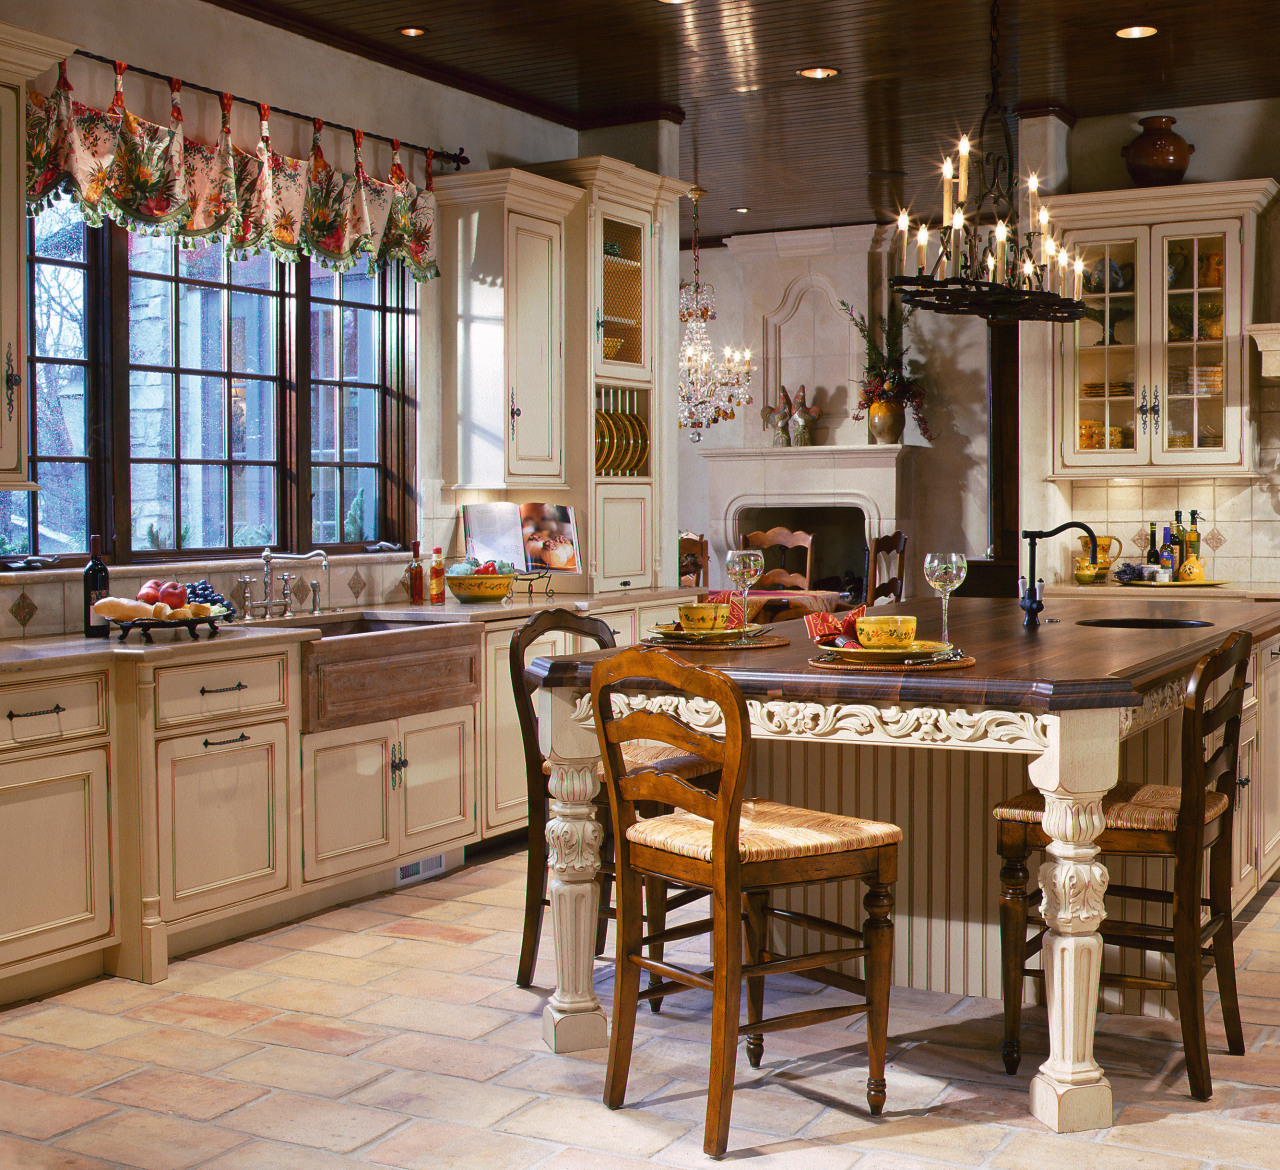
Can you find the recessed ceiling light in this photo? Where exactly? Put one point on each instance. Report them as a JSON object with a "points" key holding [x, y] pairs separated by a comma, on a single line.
{"points": [[741, 88], [1136, 32], [413, 32], [742, 210], [818, 72], [673, 1]]}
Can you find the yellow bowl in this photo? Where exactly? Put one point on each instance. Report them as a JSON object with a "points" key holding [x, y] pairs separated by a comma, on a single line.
{"points": [[704, 616], [891, 632], [479, 586]]}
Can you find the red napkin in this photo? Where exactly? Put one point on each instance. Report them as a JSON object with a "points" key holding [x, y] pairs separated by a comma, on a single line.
{"points": [[733, 600], [825, 628]]}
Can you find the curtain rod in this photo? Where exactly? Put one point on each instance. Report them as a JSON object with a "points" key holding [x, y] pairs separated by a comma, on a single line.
{"points": [[458, 157]]}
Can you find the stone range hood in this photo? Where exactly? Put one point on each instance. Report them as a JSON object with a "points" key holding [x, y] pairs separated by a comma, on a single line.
{"points": [[876, 479]]}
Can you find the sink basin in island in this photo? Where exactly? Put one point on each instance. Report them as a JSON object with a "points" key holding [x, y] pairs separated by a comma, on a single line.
{"points": [[1144, 623]]}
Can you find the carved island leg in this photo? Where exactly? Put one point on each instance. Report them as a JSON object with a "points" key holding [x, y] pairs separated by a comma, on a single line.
{"points": [[1070, 1092], [573, 1019]]}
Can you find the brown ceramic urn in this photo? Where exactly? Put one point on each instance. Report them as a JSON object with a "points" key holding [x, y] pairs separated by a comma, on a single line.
{"points": [[1159, 156]]}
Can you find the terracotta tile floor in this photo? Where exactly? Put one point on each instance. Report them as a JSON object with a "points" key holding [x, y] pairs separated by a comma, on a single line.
{"points": [[389, 1033]]}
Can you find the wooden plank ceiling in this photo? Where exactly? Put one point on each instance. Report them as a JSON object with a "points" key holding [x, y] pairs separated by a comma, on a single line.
{"points": [[799, 153]]}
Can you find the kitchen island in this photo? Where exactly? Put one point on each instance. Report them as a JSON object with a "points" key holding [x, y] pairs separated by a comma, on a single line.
{"points": [[1062, 701]]}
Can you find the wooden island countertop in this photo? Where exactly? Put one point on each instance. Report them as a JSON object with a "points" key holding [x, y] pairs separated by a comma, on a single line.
{"points": [[1058, 666]]}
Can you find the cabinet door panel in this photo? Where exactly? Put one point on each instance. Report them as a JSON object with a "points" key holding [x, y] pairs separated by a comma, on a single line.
{"points": [[437, 790], [55, 842], [624, 555], [506, 804], [1268, 765], [223, 817], [621, 257], [347, 820], [1244, 871], [534, 435]]}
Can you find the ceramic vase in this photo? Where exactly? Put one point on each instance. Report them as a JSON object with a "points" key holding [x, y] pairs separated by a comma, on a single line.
{"points": [[1159, 156], [887, 421]]}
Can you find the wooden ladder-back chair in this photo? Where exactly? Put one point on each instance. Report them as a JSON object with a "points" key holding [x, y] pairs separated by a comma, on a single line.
{"points": [[1160, 821], [893, 548], [537, 772], [739, 851], [694, 555], [786, 540]]}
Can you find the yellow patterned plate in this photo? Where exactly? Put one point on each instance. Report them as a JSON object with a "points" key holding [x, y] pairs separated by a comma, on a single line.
{"points": [[668, 632], [644, 441], [606, 463], [890, 654], [600, 442]]}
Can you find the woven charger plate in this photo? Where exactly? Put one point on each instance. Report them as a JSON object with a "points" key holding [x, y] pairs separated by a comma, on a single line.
{"points": [[763, 642], [891, 667]]}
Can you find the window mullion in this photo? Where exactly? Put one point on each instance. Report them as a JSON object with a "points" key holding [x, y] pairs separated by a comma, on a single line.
{"points": [[115, 307], [296, 395]]}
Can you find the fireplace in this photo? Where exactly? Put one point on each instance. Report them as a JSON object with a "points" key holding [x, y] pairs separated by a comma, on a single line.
{"points": [[852, 494], [839, 540]]}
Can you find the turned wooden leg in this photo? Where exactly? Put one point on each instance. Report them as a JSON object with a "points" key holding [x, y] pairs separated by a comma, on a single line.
{"points": [[626, 987], [756, 903], [655, 905], [726, 1002], [1013, 946], [1080, 762], [877, 933], [604, 879], [1224, 950], [573, 1018], [535, 893], [1189, 975]]}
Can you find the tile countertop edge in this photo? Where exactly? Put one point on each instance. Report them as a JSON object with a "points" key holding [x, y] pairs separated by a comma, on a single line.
{"points": [[1251, 591], [27, 654]]}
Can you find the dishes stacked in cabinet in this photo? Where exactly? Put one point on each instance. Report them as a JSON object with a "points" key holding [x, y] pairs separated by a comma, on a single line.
{"points": [[1154, 379]]}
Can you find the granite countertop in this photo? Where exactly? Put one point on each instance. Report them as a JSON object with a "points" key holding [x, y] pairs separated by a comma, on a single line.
{"points": [[1232, 590]]}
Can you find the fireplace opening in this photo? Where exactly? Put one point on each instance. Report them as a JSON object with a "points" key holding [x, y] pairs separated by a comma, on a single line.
{"points": [[839, 542]]}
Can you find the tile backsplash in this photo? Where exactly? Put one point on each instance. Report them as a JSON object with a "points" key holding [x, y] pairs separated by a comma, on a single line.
{"points": [[44, 602], [1239, 522]]}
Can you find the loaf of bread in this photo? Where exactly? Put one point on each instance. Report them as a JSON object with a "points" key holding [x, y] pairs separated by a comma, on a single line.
{"points": [[160, 611], [199, 609], [122, 609], [181, 614]]}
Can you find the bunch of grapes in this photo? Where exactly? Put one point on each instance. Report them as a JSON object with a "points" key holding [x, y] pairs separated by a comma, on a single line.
{"points": [[205, 593]]}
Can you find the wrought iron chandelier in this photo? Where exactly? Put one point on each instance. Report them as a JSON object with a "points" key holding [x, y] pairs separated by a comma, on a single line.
{"points": [[984, 269], [709, 390]]}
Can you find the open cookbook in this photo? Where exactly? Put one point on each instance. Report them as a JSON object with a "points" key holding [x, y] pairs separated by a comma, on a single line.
{"points": [[533, 537]]}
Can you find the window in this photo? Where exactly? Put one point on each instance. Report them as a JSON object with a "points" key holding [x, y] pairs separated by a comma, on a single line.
{"points": [[231, 384], [54, 520]]}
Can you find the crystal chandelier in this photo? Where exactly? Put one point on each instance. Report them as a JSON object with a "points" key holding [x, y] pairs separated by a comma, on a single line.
{"points": [[709, 390], [983, 271]]}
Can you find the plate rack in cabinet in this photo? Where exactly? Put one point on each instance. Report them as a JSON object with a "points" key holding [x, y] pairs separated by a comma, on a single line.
{"points": [[622, 439]]}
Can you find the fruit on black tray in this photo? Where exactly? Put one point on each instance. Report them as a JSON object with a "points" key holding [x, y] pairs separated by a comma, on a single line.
{"points": [[206, 594]]}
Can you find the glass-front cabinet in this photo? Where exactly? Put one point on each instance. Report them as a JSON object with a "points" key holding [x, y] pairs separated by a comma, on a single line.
{"points": [[622, 317], [1154, 378]]}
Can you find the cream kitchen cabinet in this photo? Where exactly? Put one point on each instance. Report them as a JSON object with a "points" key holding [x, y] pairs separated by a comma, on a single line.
{"points": [[1256, 832], [502, 266], [622, 554], [1155, 379], [386, 790], [506, 802], [23, 55]]}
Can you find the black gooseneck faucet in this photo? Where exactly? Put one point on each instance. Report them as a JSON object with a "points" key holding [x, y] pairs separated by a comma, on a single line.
{"points": [[1032, 601]]}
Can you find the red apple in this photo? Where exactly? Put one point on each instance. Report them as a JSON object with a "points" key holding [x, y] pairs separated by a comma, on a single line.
{"points": [[150, 592], [172, 594]]}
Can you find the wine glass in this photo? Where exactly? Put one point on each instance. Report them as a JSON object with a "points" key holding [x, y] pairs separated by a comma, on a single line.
{"points": [[945, 572], [744, 566]]}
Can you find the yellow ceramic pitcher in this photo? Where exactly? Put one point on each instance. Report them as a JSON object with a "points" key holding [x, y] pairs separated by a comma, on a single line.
{"points": [[1105, 555]]}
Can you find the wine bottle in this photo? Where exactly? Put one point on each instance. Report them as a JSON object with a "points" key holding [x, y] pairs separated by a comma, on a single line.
{"points": [[1153, 553], [96, 587], [1168, 553], [415, 576], [1193, 536], [1179, 539]]}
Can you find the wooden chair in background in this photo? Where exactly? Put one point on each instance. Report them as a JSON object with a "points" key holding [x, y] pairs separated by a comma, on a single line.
{"points": [[893, 548], [537, 772], [1158, 821], [786, 540], [694, 561], [718, 842]]}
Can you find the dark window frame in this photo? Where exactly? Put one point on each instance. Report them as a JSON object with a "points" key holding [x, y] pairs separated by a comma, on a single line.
{"points": [[107, 407]]}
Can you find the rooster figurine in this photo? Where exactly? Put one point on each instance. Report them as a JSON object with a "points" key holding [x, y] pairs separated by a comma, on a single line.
{"points": [[779, 418], [802, 419]]}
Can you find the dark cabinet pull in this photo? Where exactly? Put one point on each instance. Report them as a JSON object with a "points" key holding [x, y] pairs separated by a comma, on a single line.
{"points": [[1275, 652], [625, 584], [1243, 781], [56, 709], [399, 762], [241, 738], [223, 690]]}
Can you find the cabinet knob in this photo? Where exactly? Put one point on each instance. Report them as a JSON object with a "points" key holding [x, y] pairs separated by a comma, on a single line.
{"points": [[1243, 781]]}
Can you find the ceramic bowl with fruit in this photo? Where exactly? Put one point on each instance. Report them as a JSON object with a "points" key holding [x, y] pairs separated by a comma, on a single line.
{"points": [[704, 616], [890, 632], [471, 581]]}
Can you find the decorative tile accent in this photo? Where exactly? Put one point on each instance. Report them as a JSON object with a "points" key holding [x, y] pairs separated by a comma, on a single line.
{"points": [[357, 584], [301, 591], [1141, 539], [1215, 540], [23, 610], [237, 596]]}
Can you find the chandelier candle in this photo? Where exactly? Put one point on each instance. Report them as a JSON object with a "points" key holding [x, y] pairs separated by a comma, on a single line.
{"points": [[1079, 286], [957, 241], [922, 245], [1046, 240], [1033, 188], [904, 226], [963, 194], [1002, 233], [947, 172]]}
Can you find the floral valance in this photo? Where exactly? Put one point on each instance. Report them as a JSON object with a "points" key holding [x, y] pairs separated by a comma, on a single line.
{"points": [[153, 179]]}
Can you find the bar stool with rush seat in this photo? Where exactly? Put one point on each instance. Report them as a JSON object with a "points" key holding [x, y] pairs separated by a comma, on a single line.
{"points": [[1152, 820], [537, 771], [738, 850]]}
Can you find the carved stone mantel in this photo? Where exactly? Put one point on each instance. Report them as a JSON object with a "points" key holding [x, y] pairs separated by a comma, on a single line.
{"points": [[1267, 339]]}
